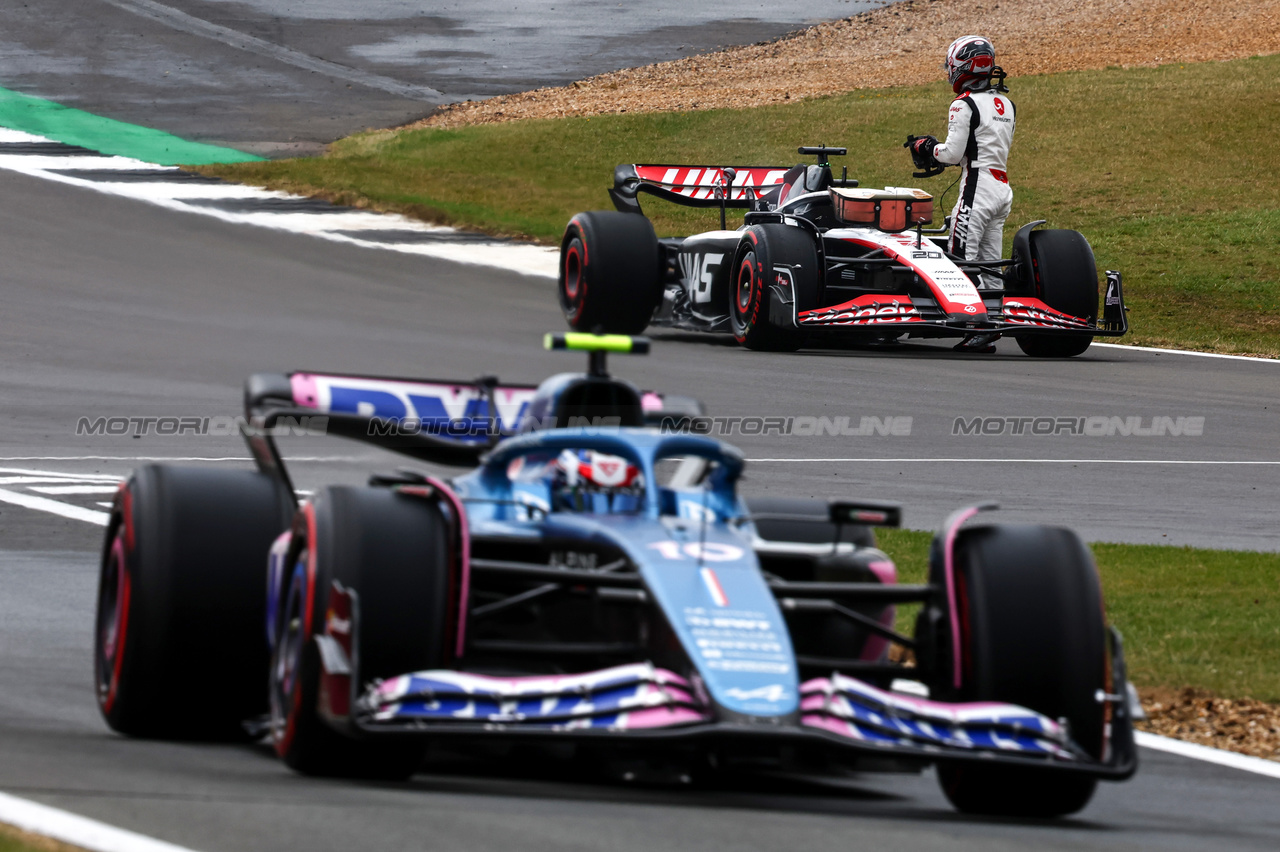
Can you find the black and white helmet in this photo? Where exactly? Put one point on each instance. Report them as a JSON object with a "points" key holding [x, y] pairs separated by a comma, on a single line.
{"points": [[970, 61]]}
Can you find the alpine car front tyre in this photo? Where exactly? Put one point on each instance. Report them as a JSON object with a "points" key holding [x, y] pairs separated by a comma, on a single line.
{"points": [[1065, 277], [1032, 633], [179, 650], [610, 272], [390, 553]]}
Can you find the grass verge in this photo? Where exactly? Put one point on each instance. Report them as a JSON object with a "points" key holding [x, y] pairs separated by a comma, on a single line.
{"points": [[1190, 617], [16, 840], [1164, 169]]}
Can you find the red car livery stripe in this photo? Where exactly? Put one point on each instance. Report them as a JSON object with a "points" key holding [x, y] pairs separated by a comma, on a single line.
{"points": [[1022, 310], [700, 181], [952, 289]]}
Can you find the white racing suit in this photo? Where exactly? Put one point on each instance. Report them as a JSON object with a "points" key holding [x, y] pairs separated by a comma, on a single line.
{"points": [[979, 133]]}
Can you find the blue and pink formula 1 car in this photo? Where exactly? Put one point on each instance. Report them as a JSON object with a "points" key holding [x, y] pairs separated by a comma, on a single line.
{"points": [[599, 582]]}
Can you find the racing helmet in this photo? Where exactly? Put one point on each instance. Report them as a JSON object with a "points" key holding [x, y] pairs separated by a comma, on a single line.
{"points": [[591, 481], [970, 61]]}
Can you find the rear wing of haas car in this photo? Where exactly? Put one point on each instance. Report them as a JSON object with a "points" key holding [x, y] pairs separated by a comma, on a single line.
{"points": [[736, 187]]}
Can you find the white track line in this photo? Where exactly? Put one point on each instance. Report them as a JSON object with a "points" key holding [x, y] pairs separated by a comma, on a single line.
{"points": [[54, 507], [155, 459], [74, 489], [1256, 765], [1188, 352], [1259, 462], [509, 255], [77, 830]]}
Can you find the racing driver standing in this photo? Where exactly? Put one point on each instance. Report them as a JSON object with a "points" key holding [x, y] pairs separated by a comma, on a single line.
{"points": [[979, 133]]}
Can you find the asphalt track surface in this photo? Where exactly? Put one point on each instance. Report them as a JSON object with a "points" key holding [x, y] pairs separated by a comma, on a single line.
{"points": [[279, 77], [115, 308]]}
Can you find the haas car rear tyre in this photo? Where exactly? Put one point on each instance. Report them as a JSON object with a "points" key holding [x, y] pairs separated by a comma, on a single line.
{"points": [[1032, 633], [387, 555], [179, 649], [1065, 278], [770, 256], [610, 272]]}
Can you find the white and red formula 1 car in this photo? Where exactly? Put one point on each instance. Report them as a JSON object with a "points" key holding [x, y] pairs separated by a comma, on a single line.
{"points": [[818, 255]]}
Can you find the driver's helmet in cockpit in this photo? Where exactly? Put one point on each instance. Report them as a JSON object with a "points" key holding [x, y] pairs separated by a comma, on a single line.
{"points": [[591, 481]]}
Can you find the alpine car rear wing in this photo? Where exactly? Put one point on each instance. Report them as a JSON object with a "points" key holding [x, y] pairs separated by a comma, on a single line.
{"points": [[439, 421]]}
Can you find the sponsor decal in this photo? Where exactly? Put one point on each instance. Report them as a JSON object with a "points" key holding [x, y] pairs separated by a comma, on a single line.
{"points": [[999, 106], [773, 692], [864, 310], [1112, 297], [699, 272], [1037, 313], [700, 182]]}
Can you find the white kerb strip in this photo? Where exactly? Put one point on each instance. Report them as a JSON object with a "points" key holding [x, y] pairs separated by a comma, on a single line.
{"points": [[77, 830], [1256, 765]]}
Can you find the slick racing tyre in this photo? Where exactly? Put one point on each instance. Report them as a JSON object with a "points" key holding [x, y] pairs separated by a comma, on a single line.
{"points": [[392, 552], [1065, 278], [610, 272], [179, 648], [1032, 633], [768, 255]]}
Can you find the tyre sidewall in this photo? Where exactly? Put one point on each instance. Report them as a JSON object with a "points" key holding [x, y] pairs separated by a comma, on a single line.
{"points": [[620, 281]]}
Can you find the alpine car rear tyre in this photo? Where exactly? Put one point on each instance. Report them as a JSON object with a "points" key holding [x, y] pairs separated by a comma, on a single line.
{"points": [[1066, 279], [1032, 633], [391, 551], [179, 649], [769, 254], [610, 272]]}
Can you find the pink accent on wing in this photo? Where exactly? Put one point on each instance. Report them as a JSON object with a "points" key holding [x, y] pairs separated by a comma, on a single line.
{"points": [[813, 702], [835, 726], [651, 402], [305, 391], [464, 558], [816, 693], [663, 717], [948, 566]]}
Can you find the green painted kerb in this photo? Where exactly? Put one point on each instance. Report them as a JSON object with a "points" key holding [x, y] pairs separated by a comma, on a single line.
{"points": [[76, 127]]}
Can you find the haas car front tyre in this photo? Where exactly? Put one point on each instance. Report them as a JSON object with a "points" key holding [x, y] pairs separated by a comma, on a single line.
{"points": [[610, 272], [771, 256], [1032, 633], [179, 649], [384, 558], [1065, 277]]}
